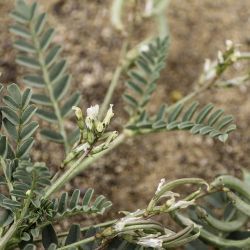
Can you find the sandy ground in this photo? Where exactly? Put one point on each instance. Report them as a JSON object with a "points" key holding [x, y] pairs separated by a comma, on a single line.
{"points": [[130, 175]]}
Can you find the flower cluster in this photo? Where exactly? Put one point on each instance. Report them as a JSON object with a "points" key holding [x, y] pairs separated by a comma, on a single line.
{"points": [[224, 59], [92, 130]]}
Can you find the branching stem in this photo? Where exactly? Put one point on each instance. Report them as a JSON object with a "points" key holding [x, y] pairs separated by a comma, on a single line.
{"points": [[81, 165]]}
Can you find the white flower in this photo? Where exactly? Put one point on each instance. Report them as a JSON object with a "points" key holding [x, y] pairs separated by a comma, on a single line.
{"points": [[235, 55], [161, 184], [181, 204], [229, 44], [122, 222], [131, 217], [93, 111], [151, 242], [144, 48], [89, 123], [109, 115], [220, 57], [207, 65]]}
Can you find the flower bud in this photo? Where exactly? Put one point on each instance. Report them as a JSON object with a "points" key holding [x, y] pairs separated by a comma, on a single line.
{"points": [[109, 115], [28, 192], [89, 123], [79, 117], [90, 137], [111, 137], [229, 44], [99, 126], [78, 112]]}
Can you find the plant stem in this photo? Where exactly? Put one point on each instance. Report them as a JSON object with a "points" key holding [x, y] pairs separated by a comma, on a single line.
{"points": [[81, 165], [49, 87], [81, 242], [14, 227], [115, 80], [116, 14], [104, 224], [194, 93], [3, 165]]}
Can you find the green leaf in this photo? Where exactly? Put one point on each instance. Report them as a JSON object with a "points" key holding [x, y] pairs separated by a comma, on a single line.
{"points": [[47, 38], [10, 103], [215, 116], [47, 115], [28, 113], [131, 100], [23, 9], [18, 17], [52, 55], [20, 31], [6, 218], [28, 130], [41, 99], [40, 22], [87, 197], [51, 135], [25, 148], [10, 128], [3, 146], [34, 81], [223, 137], [74, 234], [175, 113], [204, 113], [26, 97], [24, 46], [134, 87], [61, 87], [57, 70], [49, 236], [10, 115], [190, 112], [28, 62], [15, 93], [62, 204], [29, 247], [74, 199]]}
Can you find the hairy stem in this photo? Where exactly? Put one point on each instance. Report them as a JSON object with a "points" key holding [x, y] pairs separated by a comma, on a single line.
{"points": [[4, 167], [83, 229], [14, 227], [81, 165], [196, 92], [116, 14], [81, 242], [45, 73]]}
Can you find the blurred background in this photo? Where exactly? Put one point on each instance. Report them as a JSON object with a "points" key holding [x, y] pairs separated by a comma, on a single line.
{"points": [[198, 29]]}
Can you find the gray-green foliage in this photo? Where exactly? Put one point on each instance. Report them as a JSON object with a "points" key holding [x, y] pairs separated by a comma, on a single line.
{"points": [[142, 83], [46, 71], [16, 121], [28, 207], [227, 227]]}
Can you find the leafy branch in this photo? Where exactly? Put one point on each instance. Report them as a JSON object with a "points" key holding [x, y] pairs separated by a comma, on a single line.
{"points": [[38, 54]]}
